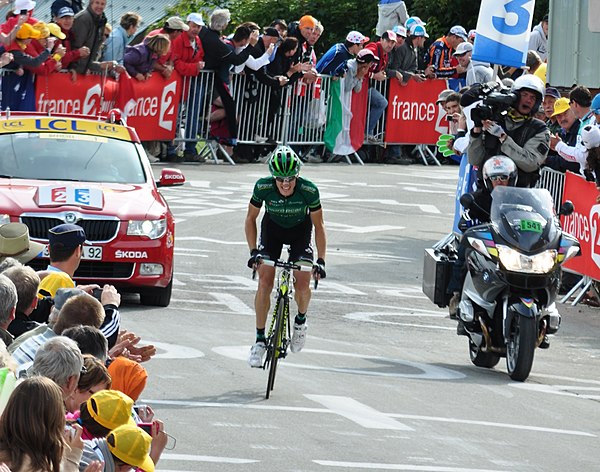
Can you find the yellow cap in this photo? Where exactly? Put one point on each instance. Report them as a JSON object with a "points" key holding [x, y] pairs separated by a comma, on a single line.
{"points": [[26, 31], [110, 408], [560, 106], [43, 29], [131, 445], [56, 31], [53, 281]]}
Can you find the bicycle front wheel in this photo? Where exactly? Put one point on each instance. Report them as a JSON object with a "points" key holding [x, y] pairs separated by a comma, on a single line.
{"points": [[276, 344]]}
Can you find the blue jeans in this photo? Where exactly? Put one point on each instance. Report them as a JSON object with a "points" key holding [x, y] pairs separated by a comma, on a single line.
{"points": [[194, 108], [377, 105]]}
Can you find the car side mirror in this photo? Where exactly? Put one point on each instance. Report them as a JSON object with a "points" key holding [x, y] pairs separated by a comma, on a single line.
{"points": [[467, 200], [566, 208], [170, 177]]}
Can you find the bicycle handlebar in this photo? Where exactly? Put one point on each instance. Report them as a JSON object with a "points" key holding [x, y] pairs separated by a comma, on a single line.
{"points": [[286, 265]]}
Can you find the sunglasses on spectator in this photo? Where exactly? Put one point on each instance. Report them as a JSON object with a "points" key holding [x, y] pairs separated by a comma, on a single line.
{"points": [[499, 178], [285, 179]]}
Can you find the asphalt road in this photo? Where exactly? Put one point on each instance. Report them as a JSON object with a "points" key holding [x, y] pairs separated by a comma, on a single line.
{"points": [[384, 382]]}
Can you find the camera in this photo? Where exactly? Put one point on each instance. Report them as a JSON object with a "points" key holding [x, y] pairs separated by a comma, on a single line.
{"points": [[496, 102], [147, 427], [23, 12], [97, 293], [449, 117]]}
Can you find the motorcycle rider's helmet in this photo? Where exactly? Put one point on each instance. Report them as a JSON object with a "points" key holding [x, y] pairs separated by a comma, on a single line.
{"points": [[533, 84], [284, 162], [499, 167]]}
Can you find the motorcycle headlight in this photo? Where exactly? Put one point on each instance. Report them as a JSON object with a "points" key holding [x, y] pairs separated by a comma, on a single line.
{"points": [[514, 261], [152, 229]]}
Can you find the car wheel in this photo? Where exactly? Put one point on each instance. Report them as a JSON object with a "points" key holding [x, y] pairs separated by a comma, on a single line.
{"points": [[158, 296]]}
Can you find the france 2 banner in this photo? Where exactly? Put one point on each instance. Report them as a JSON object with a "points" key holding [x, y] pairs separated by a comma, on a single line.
{"points": [[503, 30], [584, 224]]}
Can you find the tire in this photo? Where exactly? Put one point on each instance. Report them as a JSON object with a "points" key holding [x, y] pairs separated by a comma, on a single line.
{"points": [[275, 345], [520, 347], [158, 296], [482, 359]]}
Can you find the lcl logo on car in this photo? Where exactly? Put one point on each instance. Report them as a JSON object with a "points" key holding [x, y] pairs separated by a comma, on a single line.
{"points": [[70, 218]]}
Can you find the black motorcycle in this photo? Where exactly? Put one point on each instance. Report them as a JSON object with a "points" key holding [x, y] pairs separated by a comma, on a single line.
{"points": [[513, 275]]}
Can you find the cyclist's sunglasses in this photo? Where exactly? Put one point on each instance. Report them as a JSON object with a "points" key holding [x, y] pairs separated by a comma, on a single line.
{"points": [[499, 178], [285, 179]]}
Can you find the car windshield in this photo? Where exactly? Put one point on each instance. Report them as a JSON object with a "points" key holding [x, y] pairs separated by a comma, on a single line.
{"points": [[73, 157]]}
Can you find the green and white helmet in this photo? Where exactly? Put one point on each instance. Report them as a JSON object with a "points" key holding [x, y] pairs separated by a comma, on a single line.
{"points": [[284, 162]]}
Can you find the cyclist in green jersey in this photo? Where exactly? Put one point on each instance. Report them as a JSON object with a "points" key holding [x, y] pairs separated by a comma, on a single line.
{"points": [[292, 208]]}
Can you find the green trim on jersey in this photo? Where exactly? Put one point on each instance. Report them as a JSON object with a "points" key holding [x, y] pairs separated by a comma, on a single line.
{"points": [[290, 211]]}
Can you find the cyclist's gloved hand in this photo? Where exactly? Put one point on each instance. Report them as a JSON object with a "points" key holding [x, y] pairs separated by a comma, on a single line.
{"points": [[320, 268], [254, 253]]}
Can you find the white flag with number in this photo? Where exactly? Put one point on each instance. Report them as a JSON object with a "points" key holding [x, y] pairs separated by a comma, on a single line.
{"points": [[503, 30]]}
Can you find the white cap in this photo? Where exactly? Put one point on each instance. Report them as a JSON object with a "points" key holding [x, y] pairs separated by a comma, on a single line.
{"points": [[590, 136], [195, 18], [23, 5], [463, 48]]}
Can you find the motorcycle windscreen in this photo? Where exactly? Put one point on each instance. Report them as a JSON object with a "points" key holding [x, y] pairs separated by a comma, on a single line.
{"points": [[524, 217]]}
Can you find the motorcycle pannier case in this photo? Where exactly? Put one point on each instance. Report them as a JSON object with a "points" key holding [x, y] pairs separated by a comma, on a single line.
{"points": [[437, 270]]}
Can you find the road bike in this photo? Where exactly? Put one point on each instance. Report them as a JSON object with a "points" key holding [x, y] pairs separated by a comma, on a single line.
{"points": [[279, 335]]}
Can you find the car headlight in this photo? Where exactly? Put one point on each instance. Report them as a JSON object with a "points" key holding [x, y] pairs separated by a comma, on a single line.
{"points": [[152, 229], [514, 261], [4, 219]]}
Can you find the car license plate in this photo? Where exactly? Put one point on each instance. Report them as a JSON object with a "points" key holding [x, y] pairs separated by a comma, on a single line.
{"points": [[90, 253]]}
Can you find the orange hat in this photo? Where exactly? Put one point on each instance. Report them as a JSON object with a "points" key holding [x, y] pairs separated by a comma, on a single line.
{"points": [[26, 31], [307, 21], [128, 376]]}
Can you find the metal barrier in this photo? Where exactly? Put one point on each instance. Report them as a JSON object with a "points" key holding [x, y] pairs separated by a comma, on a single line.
{"points": [[307, 111], [554, 182], [379, 133], [194, 109]]}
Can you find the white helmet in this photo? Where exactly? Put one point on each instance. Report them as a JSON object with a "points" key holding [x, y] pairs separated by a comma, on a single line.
{"points": [[530, 82], [499, 166]]}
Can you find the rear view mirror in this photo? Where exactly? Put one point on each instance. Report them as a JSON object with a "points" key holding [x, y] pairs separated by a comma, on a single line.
{"points": [[566, 208], [466, 200]]}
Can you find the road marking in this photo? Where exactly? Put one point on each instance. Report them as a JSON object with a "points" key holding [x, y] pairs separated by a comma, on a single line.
{"points": [[357, 412], [424, 207], [233, 303], [205, 212], [174, 351], [374, 465], [209, 240], [196, 458], [320, 411], [564, 390], [423, 190], [369, 316], [413, 370], [361, 229], [406, 292]]}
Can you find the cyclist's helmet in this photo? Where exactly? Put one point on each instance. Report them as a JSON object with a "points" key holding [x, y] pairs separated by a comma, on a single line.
{"points": [[533, 84], [284, 162], [499, 167]]}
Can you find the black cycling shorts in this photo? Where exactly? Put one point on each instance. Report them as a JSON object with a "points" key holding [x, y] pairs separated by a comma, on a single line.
{"points": [[299, 237]]}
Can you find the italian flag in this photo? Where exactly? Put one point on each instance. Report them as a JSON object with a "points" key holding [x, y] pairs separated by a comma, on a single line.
{"points": [[345, 130]]}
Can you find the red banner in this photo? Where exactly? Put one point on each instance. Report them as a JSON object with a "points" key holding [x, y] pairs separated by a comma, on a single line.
{"points": [[413, 117], [584, 224], [150, 106]]}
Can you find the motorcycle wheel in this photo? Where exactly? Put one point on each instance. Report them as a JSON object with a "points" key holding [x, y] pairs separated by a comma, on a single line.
{"points": [[482, 359], [520, 347]]}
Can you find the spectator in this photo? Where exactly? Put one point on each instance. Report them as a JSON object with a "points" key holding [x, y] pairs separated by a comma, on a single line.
{"points": [[538, 40], [260, 52], [90, 340], [102, 412], [8, 305], [476, 72], [139, 59], [88, 31], [128, 377], [579, 102], [75, 5], [405, 57], [333, 62], [390, 14], [308, 48], [283, 66], [219, 57], [471, 36], [377, 102], [281, 27], [590, 138], [441, 50], [173, 28], [60, 360], [15, 243], [27, 283], [301, 30], [549, 100], [114, 47], [50, 33], [14, 20], [78, 310], [188, 56], [64, 18], [32, 430], [94, 378], [20, 78]]}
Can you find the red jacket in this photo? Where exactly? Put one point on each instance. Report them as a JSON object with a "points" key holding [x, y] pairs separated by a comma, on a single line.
{"points": [[72, 54], [184, 57], [377, 49]]}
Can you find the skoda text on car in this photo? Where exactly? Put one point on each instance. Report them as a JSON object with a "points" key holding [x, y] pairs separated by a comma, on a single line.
{"points": [[96, 174]]}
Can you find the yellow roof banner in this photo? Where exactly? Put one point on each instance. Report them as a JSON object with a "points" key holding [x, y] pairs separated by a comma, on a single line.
{"points": [[64, 125]]}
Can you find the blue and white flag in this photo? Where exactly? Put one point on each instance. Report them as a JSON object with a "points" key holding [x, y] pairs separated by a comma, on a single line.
{"points": [[503, 30]]}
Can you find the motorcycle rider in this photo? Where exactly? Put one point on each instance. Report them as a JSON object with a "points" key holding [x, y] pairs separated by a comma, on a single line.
{"points": [[518, 135], [497, 171]]}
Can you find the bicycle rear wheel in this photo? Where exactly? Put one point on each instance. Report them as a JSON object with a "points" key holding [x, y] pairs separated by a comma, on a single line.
{"points": [[275, 344]]}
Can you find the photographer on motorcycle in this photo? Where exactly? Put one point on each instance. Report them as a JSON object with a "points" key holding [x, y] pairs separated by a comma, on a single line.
{"points": [[516, 134]]}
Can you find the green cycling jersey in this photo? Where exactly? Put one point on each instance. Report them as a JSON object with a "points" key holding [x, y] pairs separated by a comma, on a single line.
{"points": [[290, 211]]}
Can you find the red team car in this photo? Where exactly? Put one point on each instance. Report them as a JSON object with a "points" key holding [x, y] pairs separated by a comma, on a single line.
{"points": [[96, 174]]}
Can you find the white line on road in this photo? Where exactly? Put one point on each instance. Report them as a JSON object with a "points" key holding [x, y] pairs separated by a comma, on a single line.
{"points": [[196, 458], [361, 229], [209, 240], [233, 303], [424, 207], [374, 465], [359, 413]]}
